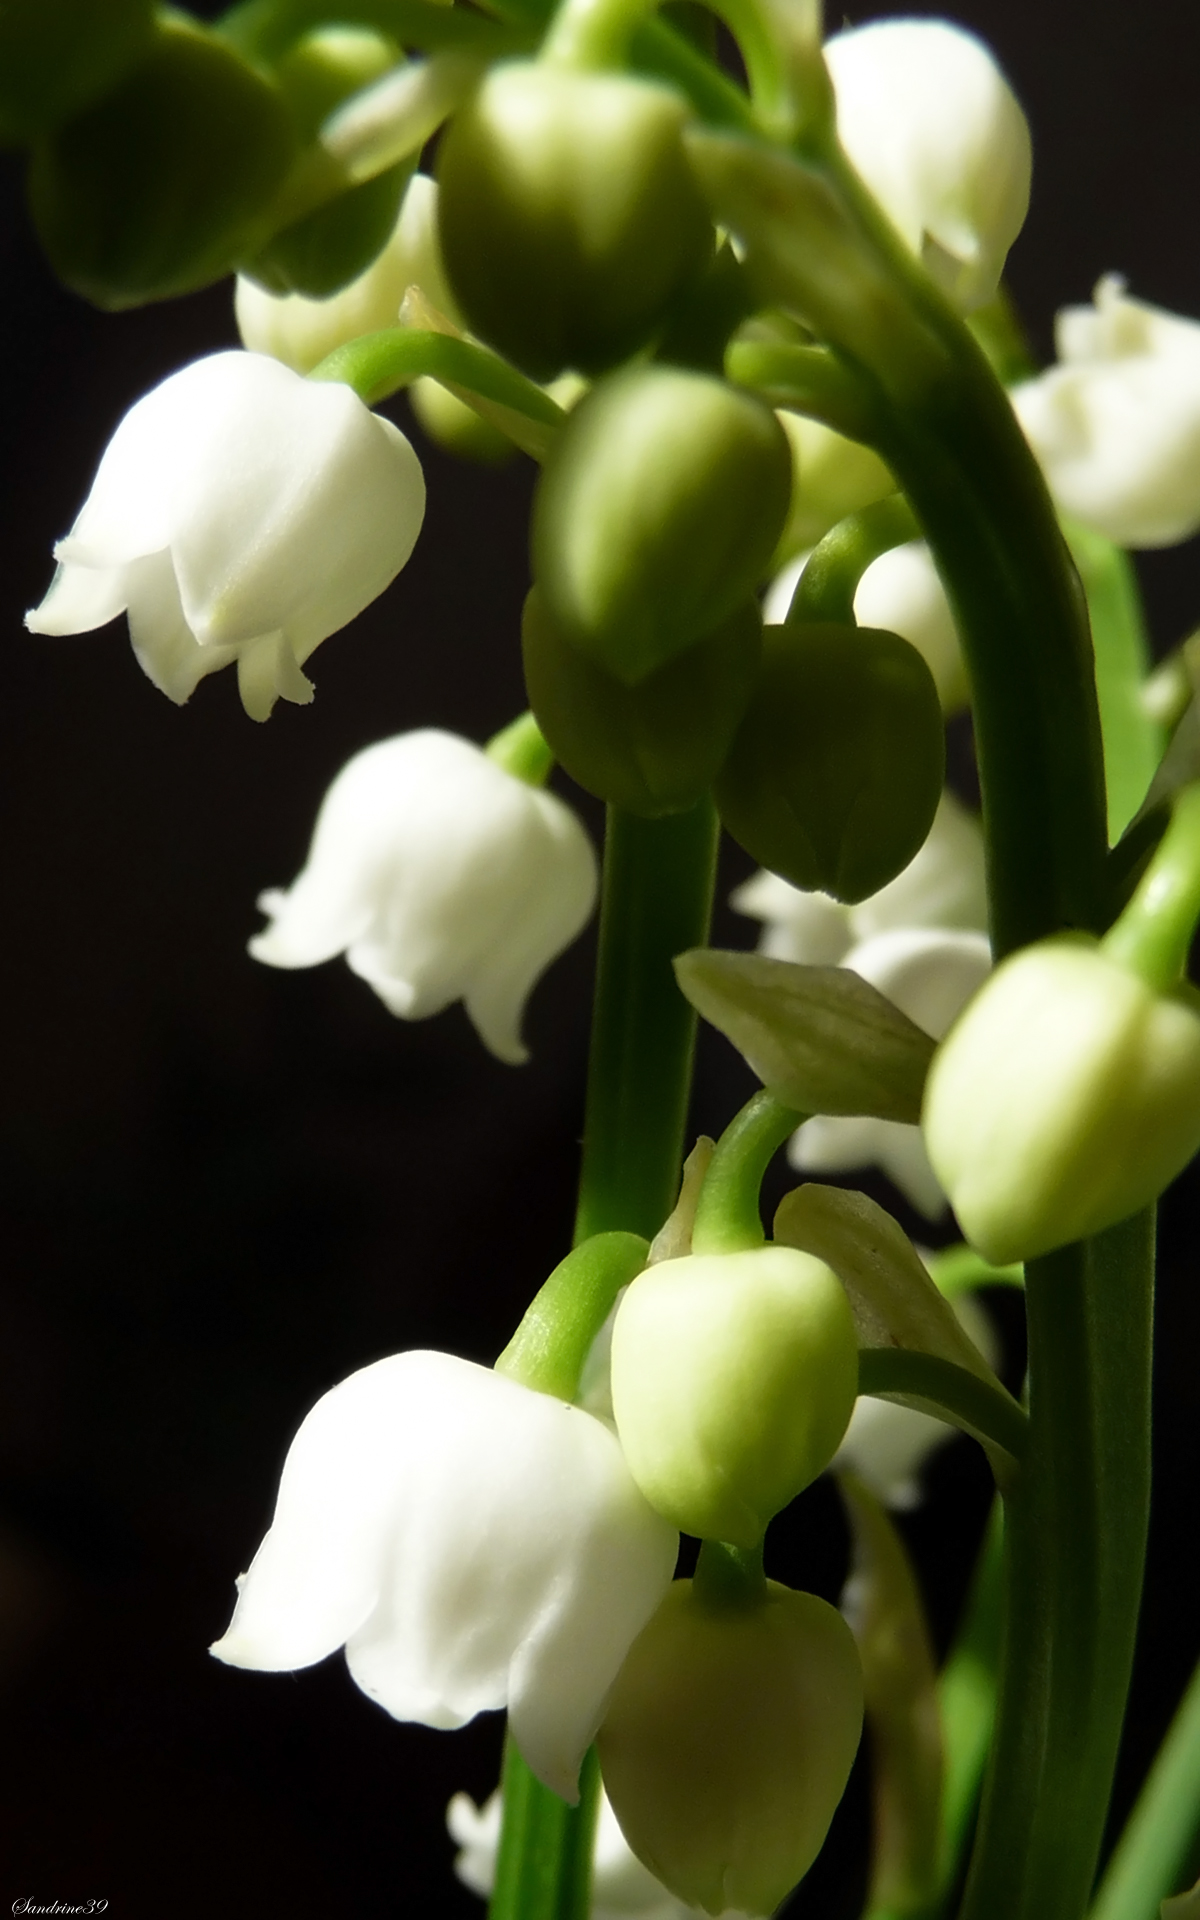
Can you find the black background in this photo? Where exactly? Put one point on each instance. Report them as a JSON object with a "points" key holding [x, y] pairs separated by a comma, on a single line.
{"points": [[223, 1187]]}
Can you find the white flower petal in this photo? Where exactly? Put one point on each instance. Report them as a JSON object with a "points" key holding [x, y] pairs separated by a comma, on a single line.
{"points": [[932, 126], [443, 877], [902, 592], [1116, 424], [928, 973], [811, 929], [473, 1543], [164, 645], [79, 599], [944, 885]]}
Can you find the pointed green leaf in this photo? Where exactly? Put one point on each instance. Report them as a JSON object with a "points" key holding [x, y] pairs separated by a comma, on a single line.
{"points": [[819, 1038]]}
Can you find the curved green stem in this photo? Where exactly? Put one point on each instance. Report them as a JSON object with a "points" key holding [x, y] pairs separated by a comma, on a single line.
{"points": [[521, 749], [1154, 934], [727, 1216], [379, 364], [803, 380], [730, 1576], [826, 588], [1151, 1856], [550, 1346], [964, 1399]]}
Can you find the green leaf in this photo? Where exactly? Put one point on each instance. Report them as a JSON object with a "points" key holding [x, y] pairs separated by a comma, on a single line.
{"points": [[1133, 740], [819, 1038]]}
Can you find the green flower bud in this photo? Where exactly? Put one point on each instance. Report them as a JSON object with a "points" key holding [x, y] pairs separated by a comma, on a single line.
{"points": [[733, 1380], [1066, 1097], [569, 215], [457, 427], [156, 189], [728, 1741], [327, 249], [56, 55], [837, 768], [654, 748], [656, 514], [832, 477]]}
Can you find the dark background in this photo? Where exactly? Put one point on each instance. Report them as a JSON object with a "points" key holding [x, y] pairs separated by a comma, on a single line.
{"points": [[224, 1187]]}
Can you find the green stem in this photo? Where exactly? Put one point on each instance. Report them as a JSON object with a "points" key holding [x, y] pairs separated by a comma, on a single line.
{"points": [[827, 587], [544, 1864], [1151, 1856], [802, 380], [949, 1391], [729, 1576], [727, 1215], [521, 749], [549, 1348], [657, 900], [658, 882], [1076, 1530], [379, 364], [1154, 934]]}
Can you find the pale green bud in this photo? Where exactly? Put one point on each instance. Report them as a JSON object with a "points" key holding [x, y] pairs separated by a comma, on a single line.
{"points": [[733, 1380], [831, 477], [1066, 1097], [728, 1741]]}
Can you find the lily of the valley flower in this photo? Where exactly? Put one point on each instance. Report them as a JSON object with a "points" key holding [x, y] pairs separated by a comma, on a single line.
{"points": [[442, 877], [919, 940], [888, 1446], [622, 1888], [933, 127], [902, 592], [1116, 424], [472, 1543], [242, 514]]}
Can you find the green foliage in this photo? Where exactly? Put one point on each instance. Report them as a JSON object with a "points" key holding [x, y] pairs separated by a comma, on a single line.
{"points": [[158, 188], [837, 768], [819, 1038], [654, 748], [569, 218], [57, 55]]}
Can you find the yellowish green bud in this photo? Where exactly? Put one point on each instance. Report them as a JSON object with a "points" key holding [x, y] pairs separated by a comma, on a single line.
{"points": [[569, 215], [728, 1741], [832, 477], [656, 514], [733, 1380], [1066, 1097], [157, 188]]}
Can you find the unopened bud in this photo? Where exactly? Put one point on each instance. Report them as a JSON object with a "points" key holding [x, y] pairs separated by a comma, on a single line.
{"points": [[569, 215], [733, 1380], [656, 515], [1066, 1097], [728, 1741], [836, 771]]}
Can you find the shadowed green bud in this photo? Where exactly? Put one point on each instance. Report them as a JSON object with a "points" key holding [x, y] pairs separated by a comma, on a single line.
{"points": [[569, 215], [733, 1380], [327, 249], [654, 748], [836, 771], [56, 55], [728, 1741], [656, 514], [1066, 1097], [156, 189]]}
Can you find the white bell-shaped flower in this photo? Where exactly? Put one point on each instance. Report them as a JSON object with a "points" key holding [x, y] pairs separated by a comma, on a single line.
{"points": [[242, 514], [300, 331], [888, 1446], [929, 121], [472, 1543], [441, 877], [902, 592], [622, 1888], [920, 940], [1116, 424]]}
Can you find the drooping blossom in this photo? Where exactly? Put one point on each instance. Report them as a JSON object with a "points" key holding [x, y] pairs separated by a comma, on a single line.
{"points": [[239, 514], [929, 121], [1116, 423], [473, 1544], [441, 877], [920, 941]]}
